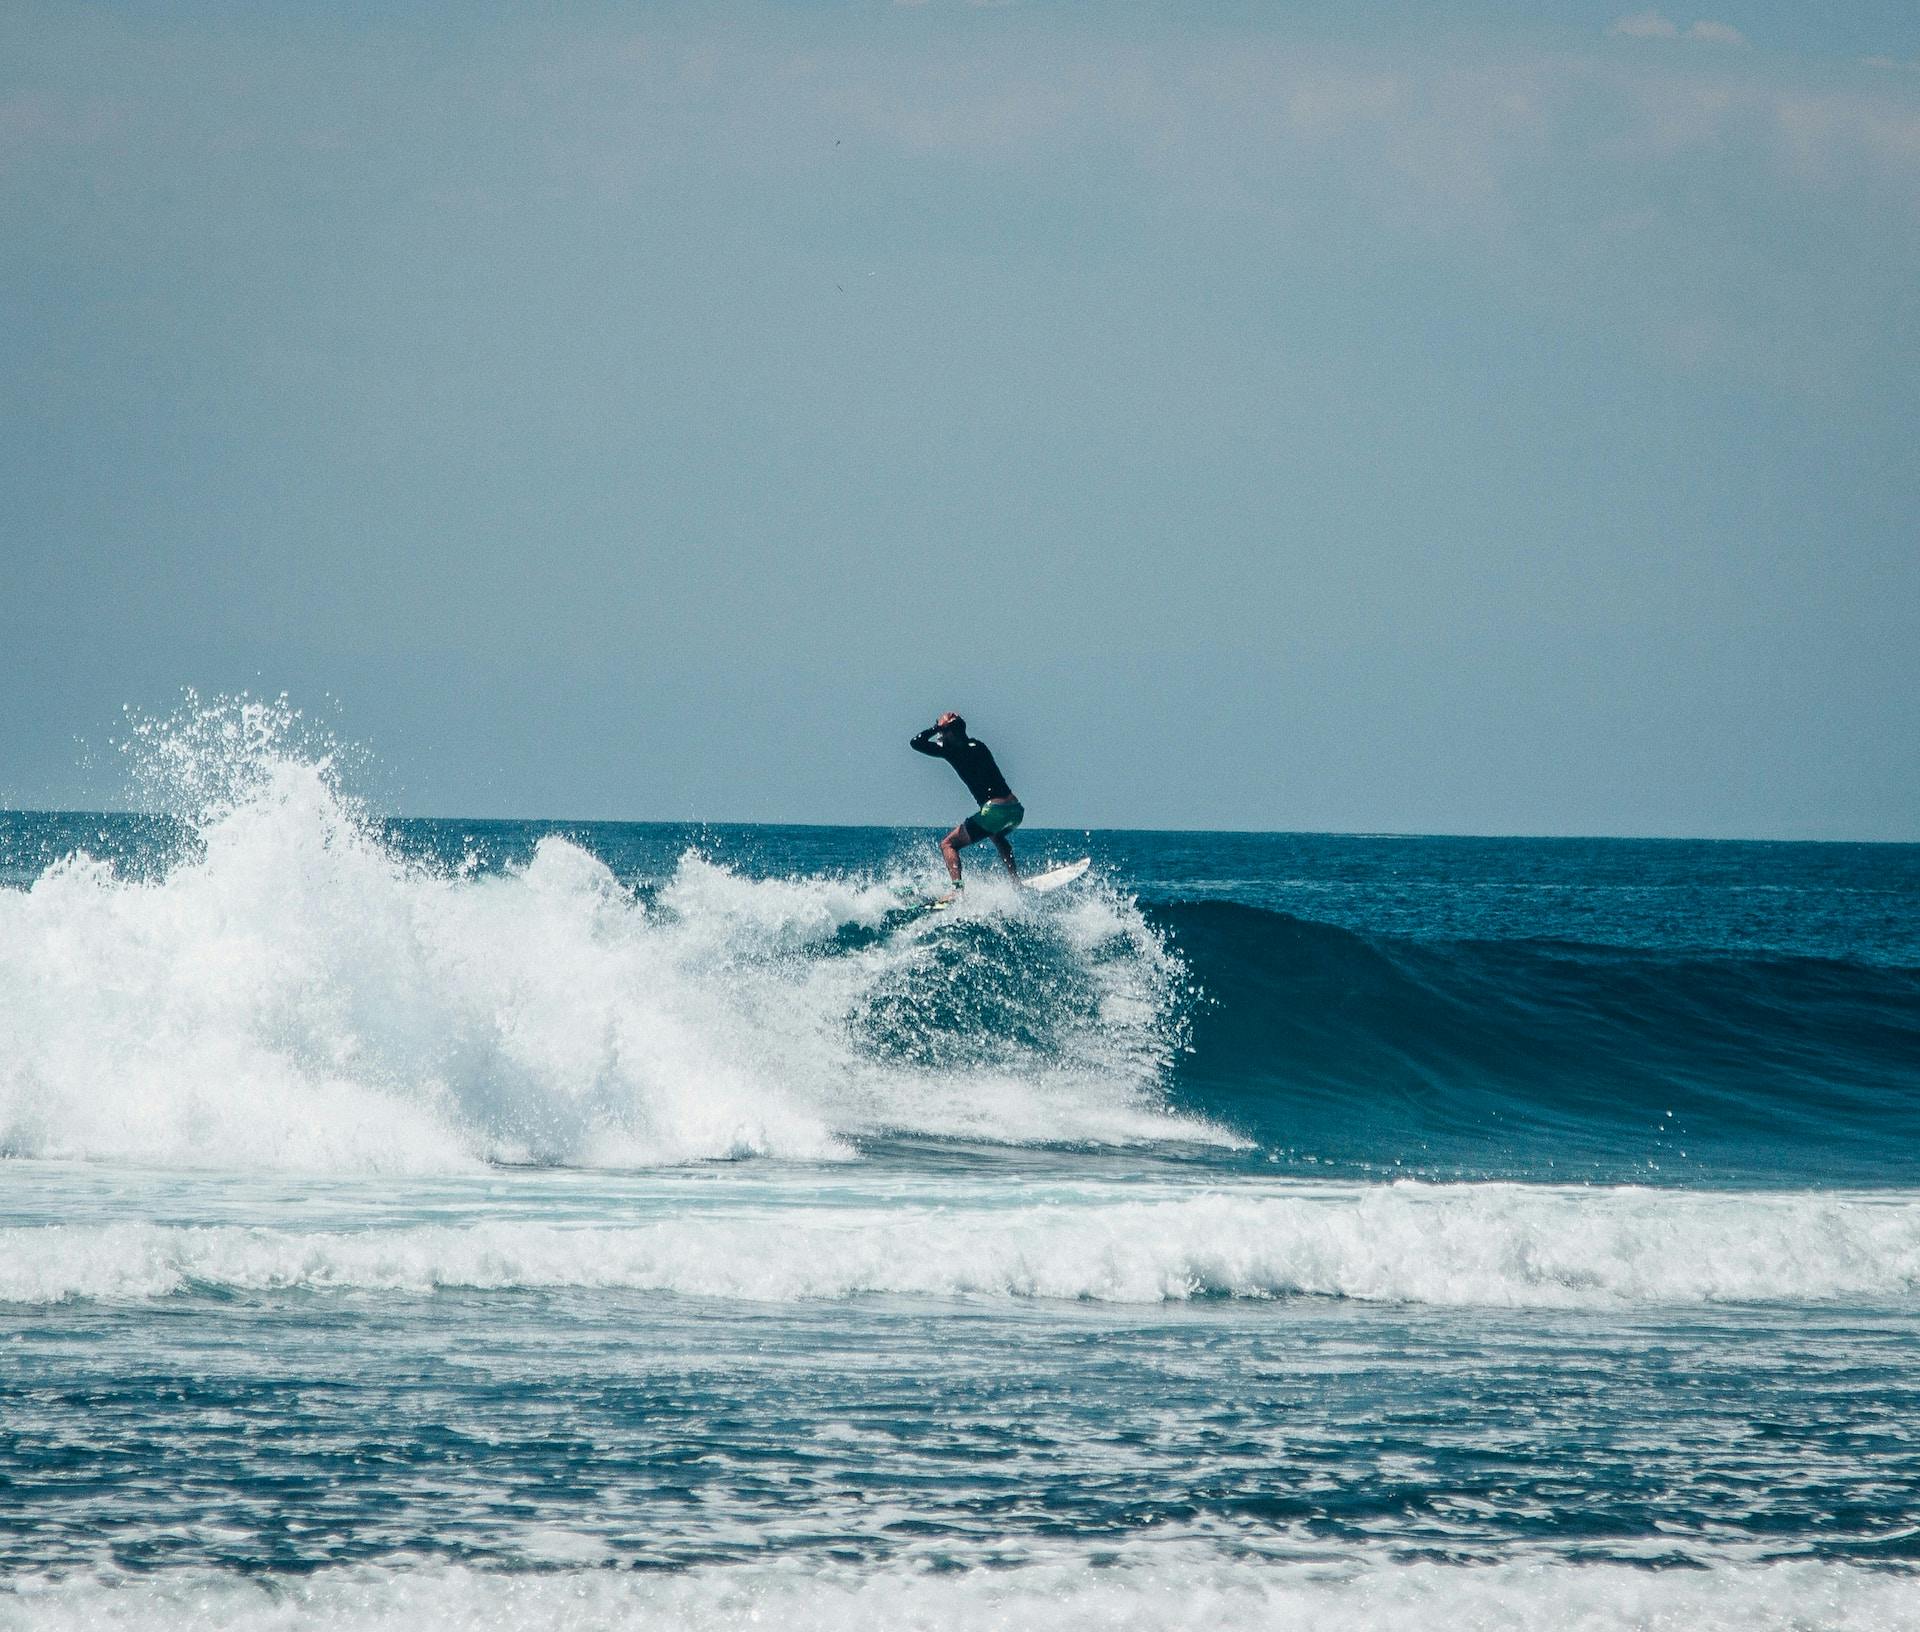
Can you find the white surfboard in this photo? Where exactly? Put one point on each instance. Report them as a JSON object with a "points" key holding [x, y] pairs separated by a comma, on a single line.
{"points": [[1057, 877]]}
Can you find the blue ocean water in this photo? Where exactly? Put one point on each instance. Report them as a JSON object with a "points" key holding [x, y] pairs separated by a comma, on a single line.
{"points": [[439, 1223]]}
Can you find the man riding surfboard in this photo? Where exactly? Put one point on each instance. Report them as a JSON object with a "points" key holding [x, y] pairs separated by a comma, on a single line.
{"points": [[999, 813]]}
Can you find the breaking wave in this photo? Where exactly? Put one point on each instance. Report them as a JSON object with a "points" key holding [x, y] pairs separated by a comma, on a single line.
{"points": [[287, 983], [1133, 1586], [290, 990], [1498, 1246]]}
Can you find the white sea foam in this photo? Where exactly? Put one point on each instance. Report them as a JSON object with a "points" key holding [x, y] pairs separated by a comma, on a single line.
{"points": [[1498, 1246], [1147, 1589], [293, 995]]}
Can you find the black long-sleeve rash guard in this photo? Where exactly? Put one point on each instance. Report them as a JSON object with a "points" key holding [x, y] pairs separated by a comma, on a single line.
{"points": [[971, 758]]}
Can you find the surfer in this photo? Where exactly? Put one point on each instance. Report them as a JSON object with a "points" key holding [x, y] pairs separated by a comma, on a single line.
{"points": [[999, 813]]}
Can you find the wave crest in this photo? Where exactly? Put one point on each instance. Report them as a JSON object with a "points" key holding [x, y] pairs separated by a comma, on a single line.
{"points": [[1461, 1246], [292, 992]]}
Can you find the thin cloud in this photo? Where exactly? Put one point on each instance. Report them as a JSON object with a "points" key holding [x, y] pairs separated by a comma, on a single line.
{"points": [[1652, 25], [1646, 25]]}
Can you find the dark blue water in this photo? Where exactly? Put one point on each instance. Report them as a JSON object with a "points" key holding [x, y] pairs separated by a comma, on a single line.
{"points": [[1655, 1010], [1659, 1010], [452, 1223]]}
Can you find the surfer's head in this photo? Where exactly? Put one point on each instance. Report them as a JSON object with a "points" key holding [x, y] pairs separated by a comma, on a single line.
{"points": [[951, 721]]}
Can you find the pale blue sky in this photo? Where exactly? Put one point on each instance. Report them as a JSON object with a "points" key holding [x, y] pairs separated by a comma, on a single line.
{"points": [[1379, 418]]}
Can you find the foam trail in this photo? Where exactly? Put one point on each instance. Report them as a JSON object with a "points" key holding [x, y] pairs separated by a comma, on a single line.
{"points": [[1497, 1246], [293, 994], [1164, 1588]]}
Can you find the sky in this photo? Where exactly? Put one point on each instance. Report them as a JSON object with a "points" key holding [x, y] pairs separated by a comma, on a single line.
{"points": [[1307, 417]]}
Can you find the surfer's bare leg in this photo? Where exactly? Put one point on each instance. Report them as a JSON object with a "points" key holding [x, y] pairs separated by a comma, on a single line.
{"points": [[950, 848], [1006, 855]]}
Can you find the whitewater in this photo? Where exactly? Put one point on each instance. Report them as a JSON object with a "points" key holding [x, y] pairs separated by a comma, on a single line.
{"points": [[295, 994], [463, 1224]]}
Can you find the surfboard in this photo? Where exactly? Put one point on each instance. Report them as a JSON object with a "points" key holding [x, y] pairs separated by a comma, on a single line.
{"points": [[1046, 883], [1055, 878]]}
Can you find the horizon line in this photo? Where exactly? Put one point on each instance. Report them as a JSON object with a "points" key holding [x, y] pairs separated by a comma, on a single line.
{"points": [[1037, 827]]}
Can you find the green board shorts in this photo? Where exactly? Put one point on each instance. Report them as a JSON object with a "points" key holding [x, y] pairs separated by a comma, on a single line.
{"points": [[996, 821]]}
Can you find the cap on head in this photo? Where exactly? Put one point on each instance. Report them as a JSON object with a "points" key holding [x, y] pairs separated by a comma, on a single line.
{"points": [[955, 723]]}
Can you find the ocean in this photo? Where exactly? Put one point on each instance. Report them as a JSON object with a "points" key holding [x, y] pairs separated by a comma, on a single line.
{"points": [[418, 1224]]}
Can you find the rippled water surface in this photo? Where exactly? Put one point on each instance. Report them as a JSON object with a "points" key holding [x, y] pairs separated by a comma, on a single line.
{"points": [[453, 1224]]}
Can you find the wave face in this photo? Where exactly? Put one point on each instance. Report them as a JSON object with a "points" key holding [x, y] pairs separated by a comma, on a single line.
{"points": [[264, 976], [1534, 1058], [286, 987]]}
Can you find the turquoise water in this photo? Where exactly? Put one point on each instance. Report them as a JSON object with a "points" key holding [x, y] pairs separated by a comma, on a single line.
{"points": [[460, 1224]]}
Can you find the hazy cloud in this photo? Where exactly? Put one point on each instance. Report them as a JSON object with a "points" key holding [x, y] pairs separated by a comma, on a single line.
{"points": [[1646, 25], [1652, 25]]}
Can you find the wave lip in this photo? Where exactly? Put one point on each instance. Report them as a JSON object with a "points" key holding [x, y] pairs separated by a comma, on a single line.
{"points": [[1490, 1246]]}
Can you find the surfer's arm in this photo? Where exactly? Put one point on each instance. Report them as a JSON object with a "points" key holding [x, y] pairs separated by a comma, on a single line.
{"points": [[925, 743]]}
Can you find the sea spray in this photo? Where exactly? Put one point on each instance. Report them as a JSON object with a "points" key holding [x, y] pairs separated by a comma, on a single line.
{"points": [[292, 991]]}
